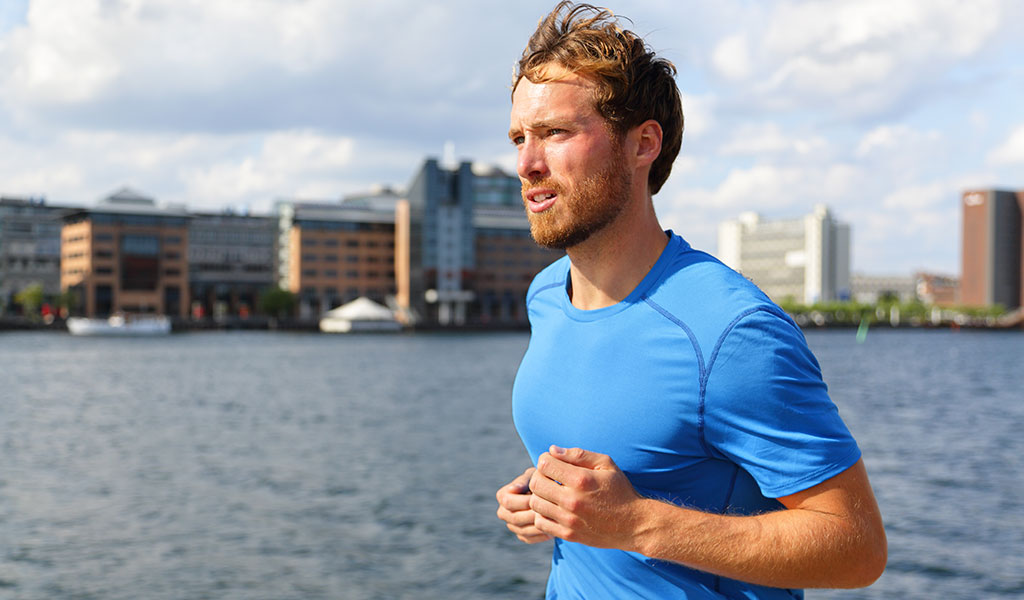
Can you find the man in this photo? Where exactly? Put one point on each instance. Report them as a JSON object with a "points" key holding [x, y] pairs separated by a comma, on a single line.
{"points": [[684, 442]]}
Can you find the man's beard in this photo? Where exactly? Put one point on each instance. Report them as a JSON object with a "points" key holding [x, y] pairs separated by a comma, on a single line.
{"points": [[590, 206]]}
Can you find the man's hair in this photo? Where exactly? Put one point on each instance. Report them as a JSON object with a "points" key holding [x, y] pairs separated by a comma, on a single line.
{"points": [[633, 85]]}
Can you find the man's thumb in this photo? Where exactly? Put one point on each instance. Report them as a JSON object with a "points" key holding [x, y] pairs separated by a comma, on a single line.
{"points": [[581, 457]]}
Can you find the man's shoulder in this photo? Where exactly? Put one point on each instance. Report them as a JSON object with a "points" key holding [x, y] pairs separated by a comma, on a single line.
{"points": [[702, 282], [551, 278], [707, 296]]}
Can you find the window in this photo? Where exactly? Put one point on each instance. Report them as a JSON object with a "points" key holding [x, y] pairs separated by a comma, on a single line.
{"points": [[140, 261]]}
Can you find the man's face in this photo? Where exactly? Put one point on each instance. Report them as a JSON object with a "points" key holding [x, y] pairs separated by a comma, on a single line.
{"points": [[574, 176]]}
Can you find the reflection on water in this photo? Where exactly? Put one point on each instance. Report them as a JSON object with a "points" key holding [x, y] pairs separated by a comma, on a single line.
{"points": [[274, 465]]}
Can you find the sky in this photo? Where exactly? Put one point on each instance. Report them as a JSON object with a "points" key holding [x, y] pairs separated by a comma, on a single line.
{"points": [[884, 110]]}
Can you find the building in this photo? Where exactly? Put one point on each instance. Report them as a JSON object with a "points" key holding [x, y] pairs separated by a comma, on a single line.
{"points": [[805, 260], [938, 290], [231, 261], [471, 257], [330, 253], [126, 255], [991, 254], [29, 247], [871, 289]]}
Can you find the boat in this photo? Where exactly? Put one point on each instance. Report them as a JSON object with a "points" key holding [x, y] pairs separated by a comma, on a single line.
{"points": [[120, 325], [360, 315]]}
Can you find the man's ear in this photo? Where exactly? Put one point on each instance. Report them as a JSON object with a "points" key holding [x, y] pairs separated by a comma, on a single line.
{"points": [[648, 136]]}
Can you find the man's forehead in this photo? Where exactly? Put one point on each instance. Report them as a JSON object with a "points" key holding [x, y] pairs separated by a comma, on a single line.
{"points": [[570, 93]]}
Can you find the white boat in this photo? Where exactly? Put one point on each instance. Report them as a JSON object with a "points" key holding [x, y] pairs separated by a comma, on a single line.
{"points": [[120, 325], [362, 314]]}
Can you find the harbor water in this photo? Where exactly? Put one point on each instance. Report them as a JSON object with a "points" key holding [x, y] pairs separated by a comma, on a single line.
{"points": [[269, 465]]}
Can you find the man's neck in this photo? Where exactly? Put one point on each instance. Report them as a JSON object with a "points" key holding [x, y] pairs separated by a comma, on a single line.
{"points": [[612, 262]]}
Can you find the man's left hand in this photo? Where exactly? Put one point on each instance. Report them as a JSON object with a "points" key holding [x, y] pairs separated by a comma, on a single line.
{"points": [[583, 497]]}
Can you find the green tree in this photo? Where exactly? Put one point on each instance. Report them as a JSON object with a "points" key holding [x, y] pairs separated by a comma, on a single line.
{"points": [[30, 298], [276, 302]]}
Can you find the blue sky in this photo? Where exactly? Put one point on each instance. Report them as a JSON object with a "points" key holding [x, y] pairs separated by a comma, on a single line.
{"points": [[884, 110]]}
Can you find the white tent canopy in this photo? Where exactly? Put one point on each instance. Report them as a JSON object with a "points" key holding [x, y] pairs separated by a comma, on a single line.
{"points": [[361, 309], [361, 314]]}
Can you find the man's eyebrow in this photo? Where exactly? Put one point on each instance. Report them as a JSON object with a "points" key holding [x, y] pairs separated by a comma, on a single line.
{"points": [[545, 124]]}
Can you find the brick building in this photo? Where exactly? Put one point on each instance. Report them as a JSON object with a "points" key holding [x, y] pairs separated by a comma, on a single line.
{"points": [[992, 255], [126, 255]]}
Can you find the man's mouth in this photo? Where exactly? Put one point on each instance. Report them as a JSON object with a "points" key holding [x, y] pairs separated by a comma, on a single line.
{"points": [[540, 200]]}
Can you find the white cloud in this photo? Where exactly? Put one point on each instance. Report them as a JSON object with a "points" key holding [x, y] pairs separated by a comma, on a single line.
{"points": [[768, 138], [698, 115], [867, 57], [731, 57], [918, 198], [290, 163], [1010, 151]]}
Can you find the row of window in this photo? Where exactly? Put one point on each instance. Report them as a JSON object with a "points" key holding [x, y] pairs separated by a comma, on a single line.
{"points": [[349, 258], [508, 262], [331, 293], [343, 226], [229, 267], [353, 274], [108, 270], [330, 243]]}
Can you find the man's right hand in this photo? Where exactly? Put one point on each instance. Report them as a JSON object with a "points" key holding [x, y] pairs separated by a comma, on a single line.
{"points": [[514, 509]]}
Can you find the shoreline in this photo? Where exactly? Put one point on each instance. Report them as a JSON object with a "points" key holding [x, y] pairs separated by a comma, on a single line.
{"points": [[312, 326]]}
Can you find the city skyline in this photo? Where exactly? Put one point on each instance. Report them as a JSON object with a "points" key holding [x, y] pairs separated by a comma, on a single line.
{"points": [[885, 113]]}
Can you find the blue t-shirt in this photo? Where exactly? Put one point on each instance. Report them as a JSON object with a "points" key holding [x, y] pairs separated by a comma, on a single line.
{"points": [[698, 387]]}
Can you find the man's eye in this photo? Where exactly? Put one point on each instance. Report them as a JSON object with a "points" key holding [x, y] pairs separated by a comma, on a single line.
{"points": [[517, 140], [555, 131]]}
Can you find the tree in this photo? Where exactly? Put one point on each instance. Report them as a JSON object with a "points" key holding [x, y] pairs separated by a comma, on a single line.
{"points": [[30, 298], [277, 303]]}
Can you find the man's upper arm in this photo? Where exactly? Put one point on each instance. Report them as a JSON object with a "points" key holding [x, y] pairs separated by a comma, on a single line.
{"points": [[767, 409], [848, 501]]}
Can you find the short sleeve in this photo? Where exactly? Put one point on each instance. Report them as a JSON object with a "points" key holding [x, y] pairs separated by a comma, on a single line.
{"points": [[767, 409]]}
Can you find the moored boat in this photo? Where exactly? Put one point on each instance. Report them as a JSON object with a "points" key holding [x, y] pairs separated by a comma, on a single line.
{"points": [[120, 325]]}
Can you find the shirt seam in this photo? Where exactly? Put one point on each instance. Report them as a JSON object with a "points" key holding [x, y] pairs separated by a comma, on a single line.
{"points": [[701, 379], [543, 288]]}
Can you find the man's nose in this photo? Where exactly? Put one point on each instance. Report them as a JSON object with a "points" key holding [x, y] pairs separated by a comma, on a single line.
{"points": [[531, 164]]}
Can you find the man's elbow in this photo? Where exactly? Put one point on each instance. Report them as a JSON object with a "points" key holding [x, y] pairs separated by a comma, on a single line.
{"points": [[869, 563]]}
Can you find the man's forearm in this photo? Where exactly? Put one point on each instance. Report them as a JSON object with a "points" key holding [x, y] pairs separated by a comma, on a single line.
{"points": [[794, 548]]}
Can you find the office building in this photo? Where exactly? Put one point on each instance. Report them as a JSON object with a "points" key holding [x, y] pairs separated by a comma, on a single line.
{"points": [[805, 260], [991, 256], [471, 257], [330, 253], [29, 247], [231, 260], [871, 289], [126, 254]]}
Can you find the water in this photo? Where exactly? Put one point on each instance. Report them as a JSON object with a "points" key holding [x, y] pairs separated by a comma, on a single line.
{"points": [[272, 465]]}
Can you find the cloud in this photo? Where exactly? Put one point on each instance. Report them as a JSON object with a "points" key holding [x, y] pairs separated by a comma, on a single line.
{"points": [[285, 157], [765, 138], [918, 198], [1010, 151], [731, 57], [192, 65], [860, 59]]}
